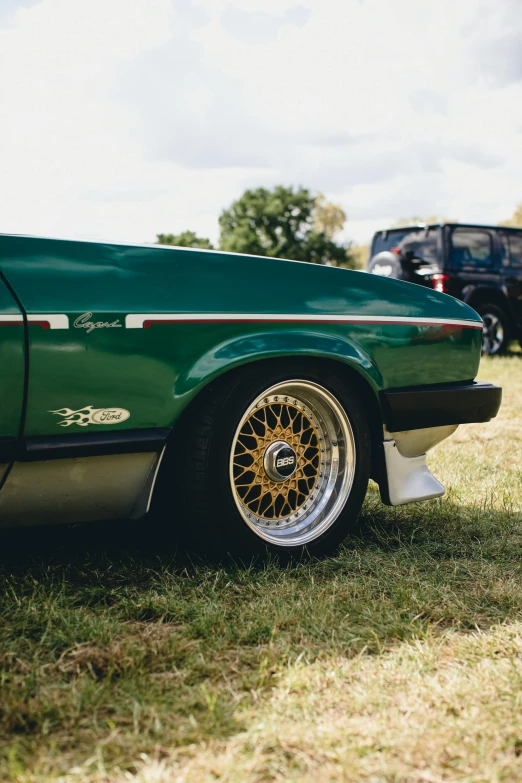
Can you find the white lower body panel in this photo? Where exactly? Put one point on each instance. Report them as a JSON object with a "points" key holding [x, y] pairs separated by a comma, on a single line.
{"points": [[78, 490]]}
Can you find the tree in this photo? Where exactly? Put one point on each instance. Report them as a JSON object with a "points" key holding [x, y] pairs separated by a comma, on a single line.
{"points": [[282, 223], [329, 218], [185, 239], [360, 255], [515, 221]]}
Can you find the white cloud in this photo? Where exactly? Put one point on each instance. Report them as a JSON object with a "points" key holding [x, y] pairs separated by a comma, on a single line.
{"points": [[260, 27], [126, 118]]}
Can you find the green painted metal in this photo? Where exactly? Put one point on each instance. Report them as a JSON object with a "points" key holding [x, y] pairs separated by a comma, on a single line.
{"points": [[12, 370], [154, 372]]}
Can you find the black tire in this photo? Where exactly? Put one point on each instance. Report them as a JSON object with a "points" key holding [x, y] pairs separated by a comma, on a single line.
{"points": [[496, 336], [212, 514]]}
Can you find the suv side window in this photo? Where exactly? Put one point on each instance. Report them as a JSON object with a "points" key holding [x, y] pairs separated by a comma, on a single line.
{"points": [[470, 249], [515, 249], [423, 243]]}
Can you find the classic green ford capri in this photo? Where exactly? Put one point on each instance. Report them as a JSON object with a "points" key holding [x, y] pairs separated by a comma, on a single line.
{"points": [[249, 399]]}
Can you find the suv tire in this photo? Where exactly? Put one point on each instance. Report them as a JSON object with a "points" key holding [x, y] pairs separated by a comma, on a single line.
{"points": [[495, 336]]}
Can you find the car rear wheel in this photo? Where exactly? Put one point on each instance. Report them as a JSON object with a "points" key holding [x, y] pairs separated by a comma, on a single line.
{"points": [[277, 459], [495, 330]]}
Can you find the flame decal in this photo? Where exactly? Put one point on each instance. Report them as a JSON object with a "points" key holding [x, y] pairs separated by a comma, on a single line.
{"points": [[81, 417]]}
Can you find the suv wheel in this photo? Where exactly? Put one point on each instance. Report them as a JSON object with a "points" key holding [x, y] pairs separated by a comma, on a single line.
{"points": [[495, 332]]}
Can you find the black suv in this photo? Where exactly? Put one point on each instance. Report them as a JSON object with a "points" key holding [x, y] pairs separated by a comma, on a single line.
{"points": [[482, 265]]}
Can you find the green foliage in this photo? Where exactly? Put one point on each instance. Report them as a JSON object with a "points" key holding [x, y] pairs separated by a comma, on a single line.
{"points": [[185, 239], [328, 218], [281, 223], [515, 221], [360, 254]]}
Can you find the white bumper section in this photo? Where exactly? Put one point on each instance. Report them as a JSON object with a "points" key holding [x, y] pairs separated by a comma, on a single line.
{"points": [[408, 476]]}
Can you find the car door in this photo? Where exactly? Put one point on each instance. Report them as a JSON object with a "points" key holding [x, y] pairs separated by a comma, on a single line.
{"points": [[474, 260], [512, 269], [12, 372]]}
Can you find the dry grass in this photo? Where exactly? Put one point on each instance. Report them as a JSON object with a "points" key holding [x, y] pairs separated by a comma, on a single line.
{"points": [[442, 708], [398, 660]]}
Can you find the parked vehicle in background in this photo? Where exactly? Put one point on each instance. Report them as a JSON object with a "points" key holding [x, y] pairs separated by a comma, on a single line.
{"points": [[481, 265]]}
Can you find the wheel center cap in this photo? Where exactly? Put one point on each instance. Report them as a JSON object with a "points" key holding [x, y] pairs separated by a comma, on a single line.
{"points": [[280, 461]]}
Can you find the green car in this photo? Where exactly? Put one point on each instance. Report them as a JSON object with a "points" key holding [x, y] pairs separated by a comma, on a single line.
{"points": [[249, 399]]}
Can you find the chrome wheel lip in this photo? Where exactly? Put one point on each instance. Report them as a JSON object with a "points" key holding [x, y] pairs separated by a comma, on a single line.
{"points": [[492, 333], [329, 495]]}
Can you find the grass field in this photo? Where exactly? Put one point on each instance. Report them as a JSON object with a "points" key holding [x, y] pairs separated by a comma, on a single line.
{"points": [[398, 660]]}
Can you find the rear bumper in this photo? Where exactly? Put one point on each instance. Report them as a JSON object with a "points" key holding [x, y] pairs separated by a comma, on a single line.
{"points": [[416, 419], [419, 407]]}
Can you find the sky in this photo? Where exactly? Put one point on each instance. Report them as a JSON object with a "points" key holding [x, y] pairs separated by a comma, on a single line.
{"points": [[122, 119]]}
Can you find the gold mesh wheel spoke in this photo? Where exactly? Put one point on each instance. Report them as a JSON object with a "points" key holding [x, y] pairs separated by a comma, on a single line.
{"points": [[277, 420], [292, 462]]}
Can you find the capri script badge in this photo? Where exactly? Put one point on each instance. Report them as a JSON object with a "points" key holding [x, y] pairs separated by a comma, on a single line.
{"points": [[84, 322]]}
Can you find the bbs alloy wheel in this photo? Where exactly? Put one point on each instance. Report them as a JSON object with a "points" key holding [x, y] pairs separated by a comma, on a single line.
{"points": [[276, 457], [292, 463]]}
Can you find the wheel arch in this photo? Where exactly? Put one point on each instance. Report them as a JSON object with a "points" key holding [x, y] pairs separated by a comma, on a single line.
{"points": [[270, 346], [477, 296]]}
